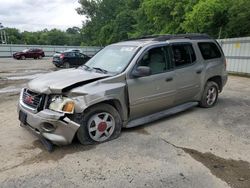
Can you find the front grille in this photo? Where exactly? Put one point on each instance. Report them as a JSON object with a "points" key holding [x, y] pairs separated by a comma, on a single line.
{"points": [[32, 99]]}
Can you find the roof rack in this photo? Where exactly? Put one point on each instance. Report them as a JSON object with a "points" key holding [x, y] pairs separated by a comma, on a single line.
{"points": [[191, 36]]}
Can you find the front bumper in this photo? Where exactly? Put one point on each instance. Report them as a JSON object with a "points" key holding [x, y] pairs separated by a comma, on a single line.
{"points": [[61, 129], [57, 63], [16, 56]]}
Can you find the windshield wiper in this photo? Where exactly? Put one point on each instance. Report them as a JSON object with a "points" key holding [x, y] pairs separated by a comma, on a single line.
{"points": [[100, 69], [86, 67]]}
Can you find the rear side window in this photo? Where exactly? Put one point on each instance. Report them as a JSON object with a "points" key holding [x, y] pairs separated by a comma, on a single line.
{"points": [[70, 54], [209, 50], [183, 54]]}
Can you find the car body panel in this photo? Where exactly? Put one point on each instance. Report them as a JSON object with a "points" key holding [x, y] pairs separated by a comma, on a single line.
{"points": [[150, 94], [55, 82]]}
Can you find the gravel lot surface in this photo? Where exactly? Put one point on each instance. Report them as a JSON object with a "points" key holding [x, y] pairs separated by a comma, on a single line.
{"points": [[198, 148]]}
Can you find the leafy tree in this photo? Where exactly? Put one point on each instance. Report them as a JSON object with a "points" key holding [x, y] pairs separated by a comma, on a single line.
{"points": [[108, 20], [239, 19], [14, 35], [208, 16]]}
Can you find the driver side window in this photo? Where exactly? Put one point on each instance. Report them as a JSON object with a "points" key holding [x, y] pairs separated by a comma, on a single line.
{"points": [[155, 59]]}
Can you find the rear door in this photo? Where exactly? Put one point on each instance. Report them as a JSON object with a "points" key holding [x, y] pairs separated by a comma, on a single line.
{"points": [[188, 72], [156, 92], [30, 53], [72, 58]]}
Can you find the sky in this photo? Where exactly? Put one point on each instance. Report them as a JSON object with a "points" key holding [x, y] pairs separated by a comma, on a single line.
{"points": [[34, 15]]}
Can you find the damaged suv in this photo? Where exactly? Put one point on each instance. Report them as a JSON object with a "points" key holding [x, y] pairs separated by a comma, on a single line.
{"points": [[124, 85]]}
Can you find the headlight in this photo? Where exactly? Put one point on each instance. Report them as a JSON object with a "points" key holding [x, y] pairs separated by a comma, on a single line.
{"points": [[62, 104]]}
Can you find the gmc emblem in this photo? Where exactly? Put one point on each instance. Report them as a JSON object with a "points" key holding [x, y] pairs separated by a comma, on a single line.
{"points": [[29, 99]]}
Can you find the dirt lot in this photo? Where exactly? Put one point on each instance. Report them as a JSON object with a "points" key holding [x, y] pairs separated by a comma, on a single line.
{"points": [[196, 148]]}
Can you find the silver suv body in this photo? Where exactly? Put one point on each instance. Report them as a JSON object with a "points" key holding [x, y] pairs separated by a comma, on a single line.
{"points": [[124, 85]]}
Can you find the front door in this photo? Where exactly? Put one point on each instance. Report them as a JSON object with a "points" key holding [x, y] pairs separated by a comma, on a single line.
{"points": [[155, 92]]}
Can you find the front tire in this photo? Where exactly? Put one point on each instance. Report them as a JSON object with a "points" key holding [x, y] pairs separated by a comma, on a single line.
{"points": [[99, 124], [210, 95], [22, 57]]}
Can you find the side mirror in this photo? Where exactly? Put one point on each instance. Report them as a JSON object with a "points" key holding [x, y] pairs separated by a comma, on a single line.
{"points": [[141, 71]]}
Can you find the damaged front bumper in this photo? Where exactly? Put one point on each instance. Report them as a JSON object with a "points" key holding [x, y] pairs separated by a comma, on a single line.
{"points": [[51, 125]]}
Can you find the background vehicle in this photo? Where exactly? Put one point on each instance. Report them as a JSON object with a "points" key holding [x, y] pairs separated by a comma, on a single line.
{"points": [[29, 53], [69, 58], [125, 85]]}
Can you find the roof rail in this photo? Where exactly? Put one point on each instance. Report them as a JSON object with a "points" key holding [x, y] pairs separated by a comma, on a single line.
{"points": [[191, 36]]}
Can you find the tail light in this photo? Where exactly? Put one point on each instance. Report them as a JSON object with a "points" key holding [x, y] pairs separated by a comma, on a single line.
{"points": [[61, 56]]}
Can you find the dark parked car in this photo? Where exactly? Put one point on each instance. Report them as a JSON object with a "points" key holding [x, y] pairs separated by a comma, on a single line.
{"points": [[67, 59], [29, 53]]}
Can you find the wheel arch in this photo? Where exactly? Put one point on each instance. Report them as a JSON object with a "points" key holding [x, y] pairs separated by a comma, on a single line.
{"points": [[113, 102], [218, 80]]}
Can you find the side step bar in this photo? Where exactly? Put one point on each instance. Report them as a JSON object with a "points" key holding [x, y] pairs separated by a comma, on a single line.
{"points": [[161, 114]]}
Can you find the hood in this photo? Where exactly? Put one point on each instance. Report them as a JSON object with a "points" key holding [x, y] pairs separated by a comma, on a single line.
{"points": [[18, 53], [63, 80]]}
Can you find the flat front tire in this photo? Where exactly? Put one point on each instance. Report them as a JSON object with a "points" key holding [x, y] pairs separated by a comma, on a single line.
{"points": [[210, 95], [99, 123]]}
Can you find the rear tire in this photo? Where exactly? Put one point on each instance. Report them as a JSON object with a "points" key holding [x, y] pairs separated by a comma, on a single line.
{"points": [[40, 57], [210, 95], [66, 65], [99, 124]]}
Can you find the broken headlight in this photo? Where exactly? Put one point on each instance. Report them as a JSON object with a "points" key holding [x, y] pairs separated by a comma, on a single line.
{"points": [[60, 103]]}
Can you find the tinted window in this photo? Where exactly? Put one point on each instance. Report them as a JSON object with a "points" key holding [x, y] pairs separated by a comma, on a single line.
{"points": [[156, 59], [209, 50], [82, 55], [70, 54], [183, 54]]}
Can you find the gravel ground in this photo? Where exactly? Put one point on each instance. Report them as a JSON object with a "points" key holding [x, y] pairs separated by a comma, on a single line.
{"points": [[196, 148]]}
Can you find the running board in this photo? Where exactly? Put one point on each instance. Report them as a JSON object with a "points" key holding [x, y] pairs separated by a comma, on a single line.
{"points": [[161, 114]]}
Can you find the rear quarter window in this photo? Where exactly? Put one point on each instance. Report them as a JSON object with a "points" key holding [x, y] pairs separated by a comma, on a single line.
{"points": [[209, 50]]}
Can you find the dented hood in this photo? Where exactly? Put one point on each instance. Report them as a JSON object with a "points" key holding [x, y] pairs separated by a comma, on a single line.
{"points": [[63, 80]]}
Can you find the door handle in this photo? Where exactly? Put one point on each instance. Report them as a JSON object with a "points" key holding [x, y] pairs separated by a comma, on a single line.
{"points": [[199, 71], [169, 79]]}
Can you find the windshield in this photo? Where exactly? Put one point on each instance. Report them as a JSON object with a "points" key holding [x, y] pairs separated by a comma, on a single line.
{"points": [[113, 59], [26, 50]]}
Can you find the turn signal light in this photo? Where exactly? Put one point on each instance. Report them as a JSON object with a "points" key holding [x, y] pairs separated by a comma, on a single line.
{"points": [[69, 107]]}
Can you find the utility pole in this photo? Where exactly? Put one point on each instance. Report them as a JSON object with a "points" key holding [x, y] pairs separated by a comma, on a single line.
{"points": [[3, 34]]}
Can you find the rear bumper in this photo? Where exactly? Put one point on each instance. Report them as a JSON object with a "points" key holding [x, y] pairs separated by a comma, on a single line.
{"points": [[51, 125], [224, 80]]}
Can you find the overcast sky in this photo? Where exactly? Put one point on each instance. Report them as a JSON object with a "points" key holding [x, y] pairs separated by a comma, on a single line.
{"points": [[33, 15]]}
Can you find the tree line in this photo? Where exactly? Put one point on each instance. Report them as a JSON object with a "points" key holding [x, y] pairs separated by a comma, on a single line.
{"points": [[110, 21], [71, 37], [114, 20]]}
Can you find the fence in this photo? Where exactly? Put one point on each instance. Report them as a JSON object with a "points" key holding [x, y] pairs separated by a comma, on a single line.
{"points": [[237, 52], [6, 50]]}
